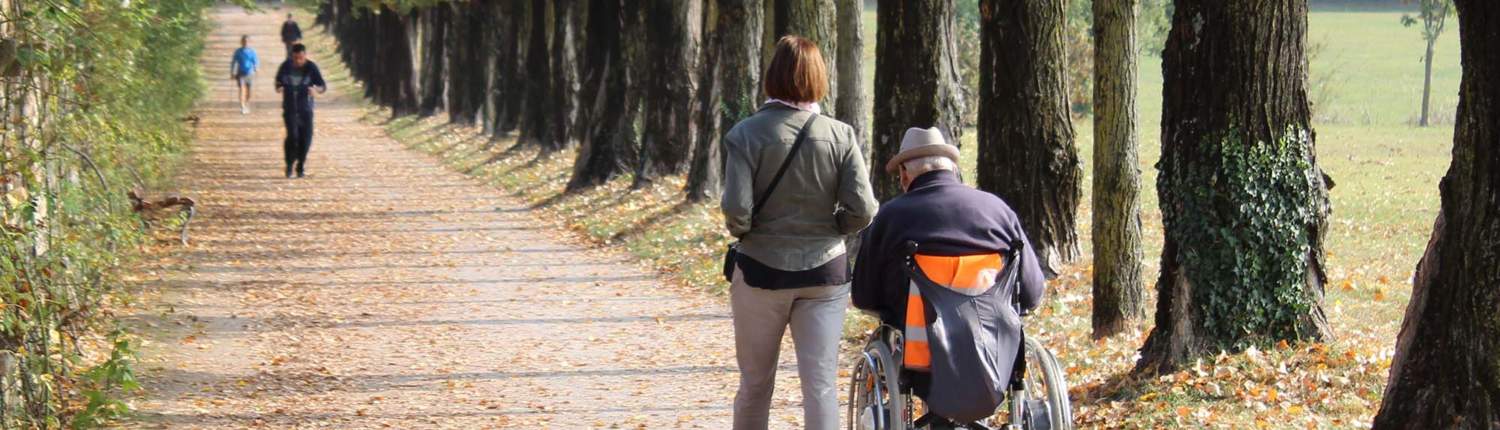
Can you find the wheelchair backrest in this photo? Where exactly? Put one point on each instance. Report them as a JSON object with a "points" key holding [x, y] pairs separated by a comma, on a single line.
{"points": [[967, 274]]}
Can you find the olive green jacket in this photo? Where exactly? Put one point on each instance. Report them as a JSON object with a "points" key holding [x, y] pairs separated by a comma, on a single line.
{"points": [[824, 196]]}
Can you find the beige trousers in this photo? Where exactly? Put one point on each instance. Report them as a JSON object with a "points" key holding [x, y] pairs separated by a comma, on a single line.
{"points": [[761, 317]]}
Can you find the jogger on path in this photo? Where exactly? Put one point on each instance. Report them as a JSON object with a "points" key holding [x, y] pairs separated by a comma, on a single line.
{"points": [[242, 68], [295, 80]]}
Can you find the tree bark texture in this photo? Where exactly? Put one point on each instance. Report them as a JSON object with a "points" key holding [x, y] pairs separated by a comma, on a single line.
{"points": [[506, 77], [916, 80], [739, 60], [537, 129], [1446, 371], [1427, 83], [1244, 203], [600, 158], [633, 44], [1119, 294], [814, 20], [704, 181], [433, 75], [467, 58], [734, 59], [853, 100], [567, 16], [396, 63], [1026, 150], [672, 29]]}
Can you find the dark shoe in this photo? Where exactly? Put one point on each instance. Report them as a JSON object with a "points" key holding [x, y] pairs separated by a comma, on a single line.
{"points": [[299, 168], [299, 173], [289, 171]]}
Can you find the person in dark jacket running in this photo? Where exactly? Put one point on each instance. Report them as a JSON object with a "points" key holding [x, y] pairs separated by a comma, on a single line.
{"points": [[291, 34], [295, 80]]}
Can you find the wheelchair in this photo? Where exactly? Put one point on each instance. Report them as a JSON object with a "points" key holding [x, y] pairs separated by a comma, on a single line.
{"points": [[881, 395]]}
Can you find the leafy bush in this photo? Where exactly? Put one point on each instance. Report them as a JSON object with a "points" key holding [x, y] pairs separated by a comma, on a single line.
{"points": [[94, 94]]}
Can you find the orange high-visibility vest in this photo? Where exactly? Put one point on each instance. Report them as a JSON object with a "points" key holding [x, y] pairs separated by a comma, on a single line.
{"points": [[959, 273]]}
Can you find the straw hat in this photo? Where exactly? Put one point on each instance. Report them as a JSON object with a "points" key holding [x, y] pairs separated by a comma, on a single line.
{"points": [[921, 142]]}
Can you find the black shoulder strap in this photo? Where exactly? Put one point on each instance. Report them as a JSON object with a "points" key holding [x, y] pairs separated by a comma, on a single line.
{"points": [[801, 137]]}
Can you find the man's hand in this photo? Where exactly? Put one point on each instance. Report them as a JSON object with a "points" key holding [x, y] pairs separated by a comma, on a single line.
{"points": [[278, 90], [322, 89]]}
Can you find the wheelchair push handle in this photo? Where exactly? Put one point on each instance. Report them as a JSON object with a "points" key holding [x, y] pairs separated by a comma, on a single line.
{"points": [[911, 247]]}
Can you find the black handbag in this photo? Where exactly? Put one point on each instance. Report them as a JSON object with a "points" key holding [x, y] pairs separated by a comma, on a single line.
{"points": [[732, 254]]}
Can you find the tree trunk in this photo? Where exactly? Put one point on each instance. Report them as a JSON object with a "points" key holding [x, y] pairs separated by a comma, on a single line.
{"points": [[600, 156], [633, 47], [1119, 297], [852, 101], [704, 178], [513, 72], [1427, 83], [733, 58], [566, 17], [433, 74], [916, 79], [672, 29], [506, 80], [467, 75], [1244, 203], [537, 130], [1446, 372], [1026, 150], [739, 60], [815, 20], [397, 63]]}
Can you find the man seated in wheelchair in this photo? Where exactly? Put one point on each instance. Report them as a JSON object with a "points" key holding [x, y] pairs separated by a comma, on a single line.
{"points": [[974, 271]]}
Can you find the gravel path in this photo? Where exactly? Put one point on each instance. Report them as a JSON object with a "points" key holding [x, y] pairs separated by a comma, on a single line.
{"points": [[383, 291]]}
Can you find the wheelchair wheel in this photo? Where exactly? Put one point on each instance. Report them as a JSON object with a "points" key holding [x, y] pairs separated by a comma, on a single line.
{"points": [[1046, 391], [876, 401]]}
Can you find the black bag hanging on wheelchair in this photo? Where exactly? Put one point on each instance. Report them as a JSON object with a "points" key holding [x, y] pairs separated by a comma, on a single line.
{"points": [[967, 333]]}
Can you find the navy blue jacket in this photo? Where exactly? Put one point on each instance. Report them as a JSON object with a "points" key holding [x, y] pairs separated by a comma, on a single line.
{"points": [[945, 217], [296, 86]]}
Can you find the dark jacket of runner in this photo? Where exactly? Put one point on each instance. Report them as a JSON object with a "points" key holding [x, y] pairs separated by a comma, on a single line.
{"points": [[296, 86]]}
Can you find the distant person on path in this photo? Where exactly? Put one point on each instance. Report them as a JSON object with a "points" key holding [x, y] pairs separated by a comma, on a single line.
{"points": [[291, 34], [242, 68], [295, 80], [791, 267]]}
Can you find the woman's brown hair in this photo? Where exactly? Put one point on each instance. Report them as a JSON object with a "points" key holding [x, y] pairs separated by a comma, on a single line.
{"points": [[797, 73]]}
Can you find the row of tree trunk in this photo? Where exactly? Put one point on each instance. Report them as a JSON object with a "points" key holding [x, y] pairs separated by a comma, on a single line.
{"points": [[649, 87], [641, 87]]}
